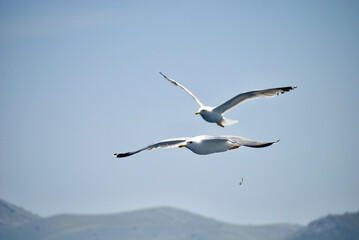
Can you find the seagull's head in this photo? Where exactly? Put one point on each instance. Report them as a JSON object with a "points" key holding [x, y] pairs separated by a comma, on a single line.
{"points": [[204, 110], [187, 144], [195, 144]]}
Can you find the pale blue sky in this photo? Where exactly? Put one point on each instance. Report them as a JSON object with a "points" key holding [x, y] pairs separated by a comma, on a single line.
{"points": [[79, 81]]}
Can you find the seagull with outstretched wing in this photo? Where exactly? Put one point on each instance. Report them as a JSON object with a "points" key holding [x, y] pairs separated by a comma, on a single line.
{"points": [[215, 114], [202, 145]]}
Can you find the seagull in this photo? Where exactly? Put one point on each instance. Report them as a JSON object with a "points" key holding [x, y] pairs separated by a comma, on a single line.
{"points": [[215, 114], [202, 145]]}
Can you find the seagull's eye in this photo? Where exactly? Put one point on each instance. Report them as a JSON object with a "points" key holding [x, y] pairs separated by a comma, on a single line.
{"points": [[190, 142]]}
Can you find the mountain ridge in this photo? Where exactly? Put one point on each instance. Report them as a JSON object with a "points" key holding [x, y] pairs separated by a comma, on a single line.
{"points": [[330, 227], [12, 215], [164, 223], [154, 223]]}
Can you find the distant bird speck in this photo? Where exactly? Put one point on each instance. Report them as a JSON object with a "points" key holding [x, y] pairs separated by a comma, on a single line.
{"points": [[241, 182]]}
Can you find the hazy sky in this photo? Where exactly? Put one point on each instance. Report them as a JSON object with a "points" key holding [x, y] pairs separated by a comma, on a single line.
{"points": [[79, 81]]}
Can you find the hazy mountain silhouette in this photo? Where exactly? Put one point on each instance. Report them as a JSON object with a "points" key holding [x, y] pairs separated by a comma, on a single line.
{"points": [[157, 223], [162, 223], [11, 215], [331, 227]]}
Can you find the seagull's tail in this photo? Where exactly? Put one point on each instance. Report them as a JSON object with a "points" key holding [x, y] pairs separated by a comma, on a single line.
{"points": [[228, 122]]}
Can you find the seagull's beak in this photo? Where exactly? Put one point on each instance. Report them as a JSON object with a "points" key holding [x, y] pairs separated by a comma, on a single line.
{"points": [[182, 145], [197, 113]]}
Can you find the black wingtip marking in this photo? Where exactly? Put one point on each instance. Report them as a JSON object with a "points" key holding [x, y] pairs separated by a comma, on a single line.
{"points": [[122, 155], [287, 89], [163, 75], [264, 144], [169, 79]]}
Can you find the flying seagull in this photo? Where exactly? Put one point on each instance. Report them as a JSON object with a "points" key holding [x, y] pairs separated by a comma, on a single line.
{"points": [[202, 145], [215, 114]]}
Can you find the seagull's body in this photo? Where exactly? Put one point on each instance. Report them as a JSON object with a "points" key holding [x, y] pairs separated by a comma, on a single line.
{"points": [[215, 114], [203, 144]]}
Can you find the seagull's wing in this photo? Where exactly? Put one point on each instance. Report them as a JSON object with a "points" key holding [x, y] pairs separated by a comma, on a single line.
{"points": [[168, 143], [184, 88], [250, 95], [246, 142]]}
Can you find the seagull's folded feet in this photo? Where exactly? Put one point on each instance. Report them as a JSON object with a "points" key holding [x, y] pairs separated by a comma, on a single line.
{"points": [[234, 147]]}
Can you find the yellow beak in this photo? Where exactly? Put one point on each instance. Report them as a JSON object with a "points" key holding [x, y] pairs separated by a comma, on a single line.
{"points": [[197, 113], [182, 145]]}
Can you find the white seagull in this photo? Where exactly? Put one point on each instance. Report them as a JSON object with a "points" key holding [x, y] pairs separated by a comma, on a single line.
{"points": [[202, 145], [215, 114]]}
